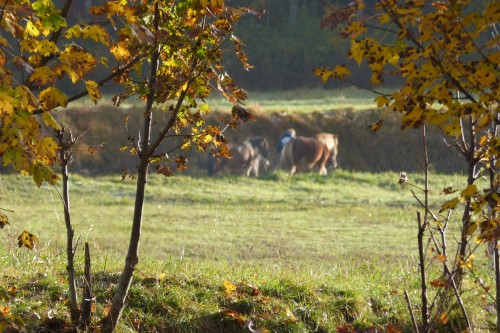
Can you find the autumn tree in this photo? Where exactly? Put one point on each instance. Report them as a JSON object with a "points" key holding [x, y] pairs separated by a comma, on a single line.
{"points": [[167, 53], [446, 53]]}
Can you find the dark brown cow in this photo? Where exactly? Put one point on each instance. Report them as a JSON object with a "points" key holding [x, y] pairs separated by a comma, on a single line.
{"points": [[246, 158]]}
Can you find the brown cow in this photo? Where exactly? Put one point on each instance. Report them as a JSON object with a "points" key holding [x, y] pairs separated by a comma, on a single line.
{"points": [[331, 142], [311, 153], [305, 153]]}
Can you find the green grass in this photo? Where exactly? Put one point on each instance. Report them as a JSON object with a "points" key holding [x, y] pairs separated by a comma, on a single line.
{"points": [[289, 101], [304, 101], [306, 218], [306, 253]]}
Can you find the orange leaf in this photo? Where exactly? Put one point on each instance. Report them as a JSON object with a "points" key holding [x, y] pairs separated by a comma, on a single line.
{"points": [[5, 310], [443, 318], [235, 315], [440, 258], [438, 283]]}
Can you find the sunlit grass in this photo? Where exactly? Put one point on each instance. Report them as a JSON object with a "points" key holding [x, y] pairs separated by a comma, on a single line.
{"points": [[304, 101], [288, 101], [331, 251], [341, 216]]}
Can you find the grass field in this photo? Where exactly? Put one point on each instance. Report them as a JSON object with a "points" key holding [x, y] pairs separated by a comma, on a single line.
{"points": [[337, 218], [323, 252]]}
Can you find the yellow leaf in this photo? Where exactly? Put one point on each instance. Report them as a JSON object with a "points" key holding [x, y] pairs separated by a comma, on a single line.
{"points": [[31, 30], [47, 149], [394, 59], [120, 51], [78, 61], [384, 18], [44, 47], [382, 101], [50, 121], [51, 98], [376, 126], [7, 103], [93, 90], [235, 315], [42, 76], [340, 71], [484, 120], [469, 192], [290, 316], [97, 33], [27, 239], [413, 117], [453, 129], [471, 228], [450, 204], [376, 78], [230, 288], [73, 32], [4, 220], [356, 52], [41, 173], [4, 42]]}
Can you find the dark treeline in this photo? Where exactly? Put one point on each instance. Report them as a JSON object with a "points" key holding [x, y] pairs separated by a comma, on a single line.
{"points": [[287, 43]]}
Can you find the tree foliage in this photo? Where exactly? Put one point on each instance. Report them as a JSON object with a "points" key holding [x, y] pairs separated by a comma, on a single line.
{"points": [[165, 53], [447, 54]]}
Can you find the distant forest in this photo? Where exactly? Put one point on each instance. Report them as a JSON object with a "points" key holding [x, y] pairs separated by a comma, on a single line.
{"points": [[287, 43], [284, 46]]}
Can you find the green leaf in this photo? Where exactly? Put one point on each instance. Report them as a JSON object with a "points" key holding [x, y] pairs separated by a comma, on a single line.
{"points": [[41, 173]]}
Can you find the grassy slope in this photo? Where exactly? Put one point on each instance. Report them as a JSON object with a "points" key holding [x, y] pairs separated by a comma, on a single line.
{"points": [[321, 252]]}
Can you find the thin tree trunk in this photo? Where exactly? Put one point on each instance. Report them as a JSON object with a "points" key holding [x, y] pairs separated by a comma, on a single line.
{"points": [[422, 226], [497, 279], [423, 281], [494, 244], [65, 156], [471, 172], [121, 290]]}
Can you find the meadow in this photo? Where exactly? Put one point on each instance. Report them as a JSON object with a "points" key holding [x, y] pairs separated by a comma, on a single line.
{"points": [[337, 218], [303, 253], [323, 252]]}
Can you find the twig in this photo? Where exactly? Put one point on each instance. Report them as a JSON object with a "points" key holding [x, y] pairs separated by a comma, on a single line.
{"points": [[415, 326]]}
